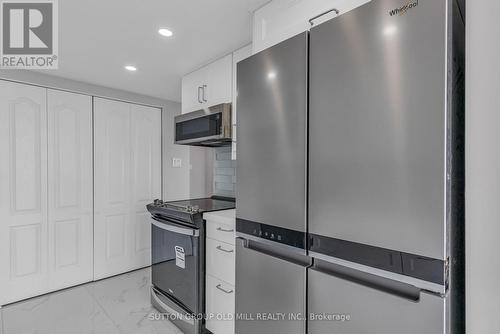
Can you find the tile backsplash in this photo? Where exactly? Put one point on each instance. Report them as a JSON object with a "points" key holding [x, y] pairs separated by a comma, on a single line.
{"points": [[224, 172]]}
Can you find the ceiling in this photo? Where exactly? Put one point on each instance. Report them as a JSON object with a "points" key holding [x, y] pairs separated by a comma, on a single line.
{"points": [[98, 38]]}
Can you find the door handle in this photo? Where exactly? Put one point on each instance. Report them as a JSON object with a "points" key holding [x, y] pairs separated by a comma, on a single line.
{"points": [[224, 230], [224, 250], [311, 20], [219, 286], [175, 229], [203, 95], [199, 95]]}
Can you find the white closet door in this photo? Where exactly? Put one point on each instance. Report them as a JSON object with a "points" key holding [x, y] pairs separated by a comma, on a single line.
{"points": [[146, 185], [23, 192], [112, 181], [127, 176], [70, 218]]}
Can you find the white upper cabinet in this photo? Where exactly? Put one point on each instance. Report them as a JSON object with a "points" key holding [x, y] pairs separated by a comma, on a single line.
{"points": [[208, 86], [127, 176], [70, 214], [282, 19], [23, 192]]}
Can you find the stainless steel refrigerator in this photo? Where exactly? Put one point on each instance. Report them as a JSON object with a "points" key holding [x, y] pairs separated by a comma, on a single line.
{"points": [[351, 174]]}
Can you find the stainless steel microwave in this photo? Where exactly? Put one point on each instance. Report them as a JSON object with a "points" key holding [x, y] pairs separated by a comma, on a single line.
{"points": [[207, 127]]}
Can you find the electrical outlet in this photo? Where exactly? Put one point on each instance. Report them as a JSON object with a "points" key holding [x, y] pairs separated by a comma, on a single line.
{"points": [[176, 162]]}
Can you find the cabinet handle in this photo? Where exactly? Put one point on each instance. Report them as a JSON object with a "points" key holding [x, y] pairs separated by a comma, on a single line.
{"points": [[224, 250], [199, 95], [224, 230], [324, 13], [203, 96], [219, 286]]}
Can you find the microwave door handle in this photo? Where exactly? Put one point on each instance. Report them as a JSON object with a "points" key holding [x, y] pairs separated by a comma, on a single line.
{"points": [[175, 229]]}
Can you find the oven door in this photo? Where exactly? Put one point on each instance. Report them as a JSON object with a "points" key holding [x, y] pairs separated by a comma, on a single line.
{"points": [[176, 262]]}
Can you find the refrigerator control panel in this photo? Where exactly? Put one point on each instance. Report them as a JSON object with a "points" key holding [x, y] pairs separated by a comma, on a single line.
{"points": [[273, 233]]}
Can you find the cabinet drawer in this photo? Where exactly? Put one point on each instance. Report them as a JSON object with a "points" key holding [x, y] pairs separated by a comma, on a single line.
{"points": [[220, 259], [221, 231], [219, 306]]}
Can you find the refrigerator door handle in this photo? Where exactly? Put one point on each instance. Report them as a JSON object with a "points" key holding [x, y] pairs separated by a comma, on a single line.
{"points": [[311, 20], [396, 288], [276, 251]]}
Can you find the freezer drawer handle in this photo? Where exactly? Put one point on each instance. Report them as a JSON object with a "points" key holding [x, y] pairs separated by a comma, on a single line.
{"points": [[219, 286], [175, 229], [224, 250], [224, 230]]}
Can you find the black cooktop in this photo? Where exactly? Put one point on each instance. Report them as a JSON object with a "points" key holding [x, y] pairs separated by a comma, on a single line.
{"points": [[190, 210]]}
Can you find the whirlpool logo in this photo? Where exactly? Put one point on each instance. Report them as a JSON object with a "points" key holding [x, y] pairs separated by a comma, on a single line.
{"points": [[403, 9]]}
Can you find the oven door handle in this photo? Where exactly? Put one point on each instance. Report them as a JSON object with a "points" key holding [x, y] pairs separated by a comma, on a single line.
{"points": [[175, 228]]}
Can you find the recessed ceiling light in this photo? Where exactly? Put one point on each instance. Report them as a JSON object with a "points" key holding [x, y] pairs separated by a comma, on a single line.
{"points": [[165, 32], [131, 68], [271, 75]]}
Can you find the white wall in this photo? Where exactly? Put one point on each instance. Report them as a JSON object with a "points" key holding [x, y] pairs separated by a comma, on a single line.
{"points": [[178, 183], [483, 167]]}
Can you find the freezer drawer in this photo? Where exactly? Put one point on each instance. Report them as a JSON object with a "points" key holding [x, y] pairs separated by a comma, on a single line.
{"points": [[370, 305], [270, 286]]}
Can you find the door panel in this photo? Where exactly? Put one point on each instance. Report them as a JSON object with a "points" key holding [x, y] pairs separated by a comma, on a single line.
{"points": [[146, 186], [127, 171], [23, 192], [361, 309], [272, 104], [112, 175], [268, 285], [377, 127], [70, 189]]}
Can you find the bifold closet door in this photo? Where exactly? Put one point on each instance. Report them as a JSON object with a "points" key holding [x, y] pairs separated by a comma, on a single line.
{"points": [[127, 176], [70, 214], [23, 192]]}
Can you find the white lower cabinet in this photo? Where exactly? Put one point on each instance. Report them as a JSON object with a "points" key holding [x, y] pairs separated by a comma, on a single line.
{"points": [[127, 172], [220, 306], [220, 268], [45, 192]]}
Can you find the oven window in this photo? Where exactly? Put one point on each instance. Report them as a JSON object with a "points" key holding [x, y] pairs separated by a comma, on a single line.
{"points": [[175, 268], [206, 126]]}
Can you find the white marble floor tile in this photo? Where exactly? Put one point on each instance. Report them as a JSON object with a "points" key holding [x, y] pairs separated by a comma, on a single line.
{"points": [[68, 311], [118, 305], [126, 300]]}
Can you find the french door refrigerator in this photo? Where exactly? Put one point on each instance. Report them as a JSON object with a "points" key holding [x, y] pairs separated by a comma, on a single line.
{"points": [[383, 128]]}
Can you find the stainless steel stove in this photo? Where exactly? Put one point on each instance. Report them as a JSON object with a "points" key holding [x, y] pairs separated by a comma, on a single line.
{"points": [[178, 258]]}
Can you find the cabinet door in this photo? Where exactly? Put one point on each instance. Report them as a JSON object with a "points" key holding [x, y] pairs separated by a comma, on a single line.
{"points": [[146, 176], [282, 19], [23, 192], [192, 90], [112, 190], [218, 87], [70, 224]]}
